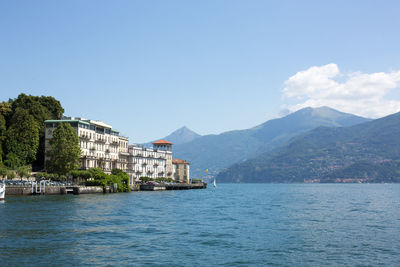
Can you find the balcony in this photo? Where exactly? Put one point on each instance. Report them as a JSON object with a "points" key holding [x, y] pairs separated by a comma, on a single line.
{"points": [[124, 153], [84, 136], [101, 139], [114, 143]]}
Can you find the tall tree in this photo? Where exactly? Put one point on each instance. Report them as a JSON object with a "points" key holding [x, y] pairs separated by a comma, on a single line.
{"points": [[22, 136], [41, 108], [64, 150], [6, 109], [2, 136]]}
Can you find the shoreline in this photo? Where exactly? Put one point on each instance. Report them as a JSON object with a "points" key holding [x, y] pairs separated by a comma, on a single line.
{"points": [[18, 190]]}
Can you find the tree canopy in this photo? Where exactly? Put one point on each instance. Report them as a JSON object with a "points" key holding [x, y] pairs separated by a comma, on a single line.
{"points": [[36, 109], [22, 136], [64, 150]]}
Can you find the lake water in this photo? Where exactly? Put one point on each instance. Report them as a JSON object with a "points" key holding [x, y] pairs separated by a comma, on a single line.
{"points": [[232, 225]]}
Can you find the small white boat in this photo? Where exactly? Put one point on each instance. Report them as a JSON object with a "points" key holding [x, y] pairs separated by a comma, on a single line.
{"points": [[2, 190], [214, 183]]}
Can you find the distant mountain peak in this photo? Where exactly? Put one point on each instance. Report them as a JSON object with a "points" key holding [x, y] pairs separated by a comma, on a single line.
{"points": [[181, 136]]}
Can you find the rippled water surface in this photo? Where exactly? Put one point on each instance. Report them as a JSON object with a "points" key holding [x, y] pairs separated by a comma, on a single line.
{"points": [[232, 225]]}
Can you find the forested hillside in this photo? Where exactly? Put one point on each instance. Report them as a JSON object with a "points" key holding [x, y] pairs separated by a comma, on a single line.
{"points": [[366, 152]]}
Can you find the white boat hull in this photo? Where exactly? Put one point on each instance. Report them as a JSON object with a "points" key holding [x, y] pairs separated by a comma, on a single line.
{"points": [[2, 191]]}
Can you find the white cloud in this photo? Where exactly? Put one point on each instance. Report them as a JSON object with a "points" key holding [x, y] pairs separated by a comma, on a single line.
{"points": [[357, 93]]}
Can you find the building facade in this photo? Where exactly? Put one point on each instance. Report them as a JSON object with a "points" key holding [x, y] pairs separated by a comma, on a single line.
{"points": [[181, 170], [150, 162], [101, 145]]}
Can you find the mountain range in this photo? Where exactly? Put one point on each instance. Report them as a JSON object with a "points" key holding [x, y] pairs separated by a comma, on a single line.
{"points": [[217, 152], [366, 152]]}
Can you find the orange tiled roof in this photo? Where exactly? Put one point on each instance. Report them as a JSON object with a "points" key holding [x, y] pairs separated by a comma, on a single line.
{"points": [[162, 142], [179, 161]]}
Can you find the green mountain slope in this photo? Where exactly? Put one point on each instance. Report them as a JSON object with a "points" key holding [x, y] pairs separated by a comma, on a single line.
{"points": [[216, 152], [368, 151]]}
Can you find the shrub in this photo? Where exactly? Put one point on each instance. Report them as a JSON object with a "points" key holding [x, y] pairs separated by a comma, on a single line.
{"points": [[3, 172], [101, 179], [11, 175], [24, 171], [145, 179], [80, 174], [97, 173]]}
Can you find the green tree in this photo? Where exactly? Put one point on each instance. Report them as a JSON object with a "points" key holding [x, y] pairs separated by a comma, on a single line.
{"points": [[41, 108], [11, 175], [12, 161], [22, 137], [97, 173], [3, 172], [24, 171], [64, 150], [6, 109], [2, 136]]}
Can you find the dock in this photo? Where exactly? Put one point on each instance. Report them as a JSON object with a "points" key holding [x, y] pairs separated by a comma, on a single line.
{"points": [[158, 187]]}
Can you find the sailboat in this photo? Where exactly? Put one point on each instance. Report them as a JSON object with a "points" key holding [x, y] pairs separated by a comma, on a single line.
{"points": [[214, 183], [2, 190]]}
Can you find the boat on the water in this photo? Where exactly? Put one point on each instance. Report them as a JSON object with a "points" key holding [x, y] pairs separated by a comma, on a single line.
{"points": [[214, 183], [2, 190]]}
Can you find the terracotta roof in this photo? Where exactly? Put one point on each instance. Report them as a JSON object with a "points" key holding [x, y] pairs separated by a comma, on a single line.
{"points": [[179, 161], [162, 142]]}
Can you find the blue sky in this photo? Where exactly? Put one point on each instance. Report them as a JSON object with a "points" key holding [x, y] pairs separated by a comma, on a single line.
{"points": [[150, 67]]}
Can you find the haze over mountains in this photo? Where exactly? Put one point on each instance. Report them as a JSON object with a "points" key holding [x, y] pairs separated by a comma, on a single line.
{"points": [[367, 152], [217, 152]]}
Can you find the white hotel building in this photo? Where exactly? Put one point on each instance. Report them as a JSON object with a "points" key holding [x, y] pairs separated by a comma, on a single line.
{"points": [[103, 147]]}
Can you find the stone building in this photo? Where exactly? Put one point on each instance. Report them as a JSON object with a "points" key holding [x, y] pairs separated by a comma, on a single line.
{"points": [[101, 145], [151, 162], [181, 170]]}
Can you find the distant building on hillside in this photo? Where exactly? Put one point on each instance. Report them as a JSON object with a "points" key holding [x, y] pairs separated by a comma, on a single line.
{"points": [[181, 170]]}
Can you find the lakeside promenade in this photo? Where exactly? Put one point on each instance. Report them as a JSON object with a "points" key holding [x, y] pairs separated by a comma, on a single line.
{"points": [[25, 190]]}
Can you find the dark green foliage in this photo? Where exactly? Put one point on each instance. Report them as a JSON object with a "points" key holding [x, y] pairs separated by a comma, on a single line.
{"points": [[64, 150], [24, 171], [81, 174], [22, 136], [97, 173], [3, 132], [145, 179], [11, 175], [6, 110], [40, 108], [3, 172], [12, 161], [102, 179], [369, 151]]}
